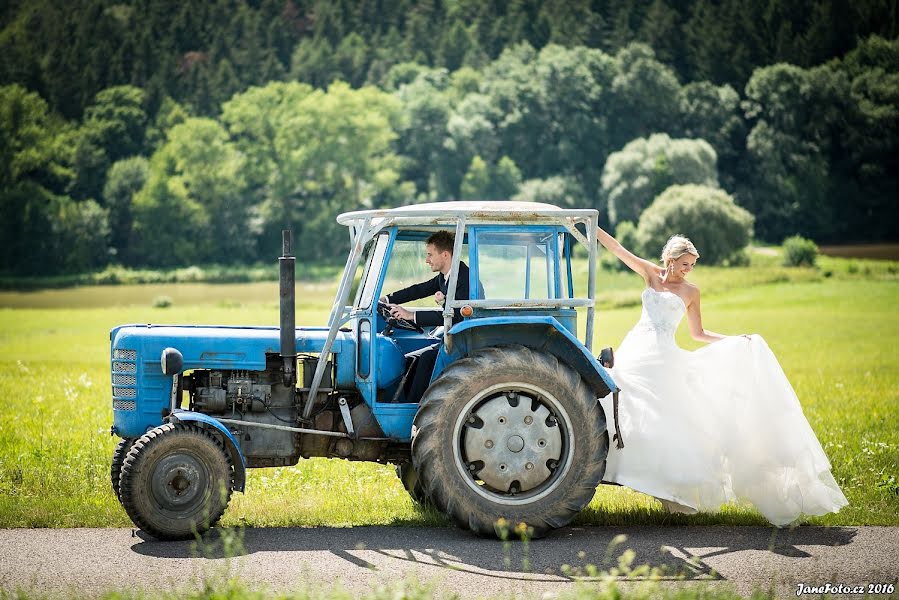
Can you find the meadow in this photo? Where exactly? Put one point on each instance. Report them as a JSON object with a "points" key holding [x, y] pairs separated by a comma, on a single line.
{"points": [[834, 328]]}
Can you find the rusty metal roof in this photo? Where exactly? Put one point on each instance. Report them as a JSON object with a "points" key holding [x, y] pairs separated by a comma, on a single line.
{"points": [[474, 212]]}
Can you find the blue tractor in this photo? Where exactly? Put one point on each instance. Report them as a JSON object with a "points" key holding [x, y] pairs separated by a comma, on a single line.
{"points": [[509, 428]]}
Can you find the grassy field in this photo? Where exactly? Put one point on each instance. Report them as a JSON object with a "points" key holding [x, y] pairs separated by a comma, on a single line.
{"points": [[834, 329]]}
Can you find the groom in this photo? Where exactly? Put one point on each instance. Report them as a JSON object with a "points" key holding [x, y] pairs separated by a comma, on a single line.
{"points": [[438, 256]]}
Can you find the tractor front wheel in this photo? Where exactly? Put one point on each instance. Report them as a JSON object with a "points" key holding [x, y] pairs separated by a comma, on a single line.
{"points": [[176, 481], [118, 459], [510, 435]]}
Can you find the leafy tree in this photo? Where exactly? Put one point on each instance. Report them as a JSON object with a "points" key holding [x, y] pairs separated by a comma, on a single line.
{"points": [[80, 234], [796, 145], [33, 171], [477, 180], [871, 139], [455, 46], [559, 190], [471, 132], [123, 180], [351, 59], [506, 179], [423, 134], [548, 109], [193, 207], [170, 113], [313, 154], [491, 182], [644, 168], [312, 62], [29, 143], [660, 31], [572, 22], [708, 216], [713, 113], [644, 95], [113, 128]]}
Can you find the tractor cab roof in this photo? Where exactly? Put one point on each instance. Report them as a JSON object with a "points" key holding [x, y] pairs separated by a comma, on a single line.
{"points": [[472, 212]]}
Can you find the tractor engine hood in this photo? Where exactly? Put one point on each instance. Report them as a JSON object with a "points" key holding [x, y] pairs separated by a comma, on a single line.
{"points": [[216, 347]]}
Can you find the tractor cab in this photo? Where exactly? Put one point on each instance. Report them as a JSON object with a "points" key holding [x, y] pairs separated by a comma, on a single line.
{"points": [[519, 267]]}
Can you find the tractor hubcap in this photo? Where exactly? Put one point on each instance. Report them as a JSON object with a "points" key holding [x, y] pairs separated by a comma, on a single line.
{"points": [[513, 443]]}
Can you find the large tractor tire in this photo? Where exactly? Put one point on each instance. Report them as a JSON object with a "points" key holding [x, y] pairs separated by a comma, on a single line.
{"points": [[118, 459], [176, 481], [407, 474], [510, 435]]}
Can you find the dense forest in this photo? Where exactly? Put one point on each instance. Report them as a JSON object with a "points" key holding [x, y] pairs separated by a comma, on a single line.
{"points": [[164, 133]]}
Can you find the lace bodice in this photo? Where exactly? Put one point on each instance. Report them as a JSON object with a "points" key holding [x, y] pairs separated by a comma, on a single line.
{"points": [[662, 312]]}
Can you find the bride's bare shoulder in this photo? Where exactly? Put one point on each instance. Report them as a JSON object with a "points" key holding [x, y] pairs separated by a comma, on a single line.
{"points": [[692, 291]]}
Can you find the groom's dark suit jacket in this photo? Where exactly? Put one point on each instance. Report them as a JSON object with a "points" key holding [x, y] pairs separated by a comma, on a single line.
{"points": [[432, 318]]}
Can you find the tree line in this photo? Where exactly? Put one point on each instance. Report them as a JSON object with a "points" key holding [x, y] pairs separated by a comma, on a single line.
{"points": [[202, 52], [150, 175]]}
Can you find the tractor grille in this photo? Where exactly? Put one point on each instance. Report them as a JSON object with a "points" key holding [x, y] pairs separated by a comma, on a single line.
{"points": [[124, 392], [118, 379], [124, 379], [124, 405]]}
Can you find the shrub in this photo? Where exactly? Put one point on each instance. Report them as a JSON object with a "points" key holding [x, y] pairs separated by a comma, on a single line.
{"points": [[162, 302], [559, 190], [626, 234], [799, 252], [645, 167], [708, 216]]}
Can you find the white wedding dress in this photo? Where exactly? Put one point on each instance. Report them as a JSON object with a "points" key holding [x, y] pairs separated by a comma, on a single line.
{"points": [[717, 425]]}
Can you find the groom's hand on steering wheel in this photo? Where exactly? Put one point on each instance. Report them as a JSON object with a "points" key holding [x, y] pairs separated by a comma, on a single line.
{"points": [[395, 317], [398, 312]]}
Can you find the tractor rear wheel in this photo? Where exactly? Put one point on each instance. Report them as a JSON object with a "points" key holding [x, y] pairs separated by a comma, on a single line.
{"points": [[510, 435], [176, 481], [118, 459]]}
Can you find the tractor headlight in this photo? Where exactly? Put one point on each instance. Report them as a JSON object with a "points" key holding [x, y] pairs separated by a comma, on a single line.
{"points": [[172, 361]]}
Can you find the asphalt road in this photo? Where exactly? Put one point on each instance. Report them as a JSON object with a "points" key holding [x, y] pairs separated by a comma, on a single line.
{"points": [[92, 561]]}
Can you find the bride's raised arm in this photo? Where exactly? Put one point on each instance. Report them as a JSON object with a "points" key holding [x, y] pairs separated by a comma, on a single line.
{"points": [[641, 266]]}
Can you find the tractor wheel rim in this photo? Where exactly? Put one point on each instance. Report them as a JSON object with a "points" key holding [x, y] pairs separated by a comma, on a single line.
{"points": [[179, 482], [512, 443]]}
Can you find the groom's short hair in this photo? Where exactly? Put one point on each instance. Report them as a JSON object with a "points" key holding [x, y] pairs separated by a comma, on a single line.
{"points": [[442, 240]]}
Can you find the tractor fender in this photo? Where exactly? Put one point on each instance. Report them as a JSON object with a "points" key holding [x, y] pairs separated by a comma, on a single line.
{"points": [[543, 333], [237, 457]]}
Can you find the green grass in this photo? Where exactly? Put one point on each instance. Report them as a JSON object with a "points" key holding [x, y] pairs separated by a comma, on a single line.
{"points": [[835, 335], [119, 275]]}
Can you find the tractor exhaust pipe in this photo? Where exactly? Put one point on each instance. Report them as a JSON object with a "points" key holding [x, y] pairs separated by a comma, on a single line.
{"points": [[287, 263]]}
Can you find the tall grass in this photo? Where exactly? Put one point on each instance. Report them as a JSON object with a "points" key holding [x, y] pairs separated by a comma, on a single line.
{"points": [[835, 337]]}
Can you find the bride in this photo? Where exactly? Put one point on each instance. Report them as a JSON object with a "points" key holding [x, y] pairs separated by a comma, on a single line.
{"points": [[721, 424]]}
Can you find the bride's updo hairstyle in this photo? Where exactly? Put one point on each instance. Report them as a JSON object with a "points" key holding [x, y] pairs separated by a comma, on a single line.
{"points": [[676, 247]]}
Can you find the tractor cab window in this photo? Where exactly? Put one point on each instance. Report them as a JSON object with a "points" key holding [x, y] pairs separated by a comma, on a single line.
{"points": [[407, 267], [518, 264], [365, 281]]}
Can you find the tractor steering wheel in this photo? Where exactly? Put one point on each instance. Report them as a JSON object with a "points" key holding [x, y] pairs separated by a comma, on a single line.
{"points": [[396, 322]]}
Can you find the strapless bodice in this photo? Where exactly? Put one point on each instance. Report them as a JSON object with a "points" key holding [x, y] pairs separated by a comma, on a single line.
{"points": [[662, 312]]}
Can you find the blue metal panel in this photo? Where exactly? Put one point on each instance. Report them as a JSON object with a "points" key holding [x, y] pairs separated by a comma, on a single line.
{"points": [[539, 333], [237, 457], [568, 264], [363, 348], [203, 347], [396, 419], [567, 317], [390, 362]]}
